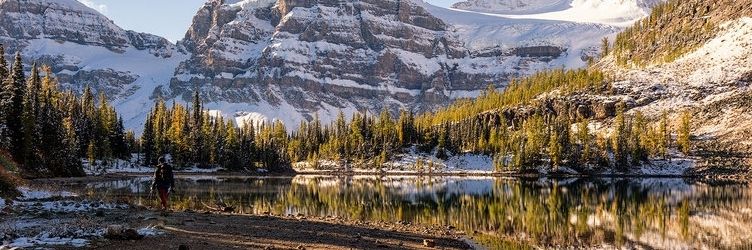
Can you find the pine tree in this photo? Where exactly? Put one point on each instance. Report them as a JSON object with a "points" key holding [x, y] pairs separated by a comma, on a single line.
{"points": [[32, 136], [620, 139], [555, 149], [197, 135], [637, 139], [5, 101], [104, 128], [86, 124], [148, 147], [605, 47], [14, 89], [685, 130], [119, 142], [3, 64], [663, 136], [72, 163], [583, 136]]}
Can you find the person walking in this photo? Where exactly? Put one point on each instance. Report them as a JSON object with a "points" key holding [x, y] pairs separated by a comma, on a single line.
{"points": [[164, 182]]}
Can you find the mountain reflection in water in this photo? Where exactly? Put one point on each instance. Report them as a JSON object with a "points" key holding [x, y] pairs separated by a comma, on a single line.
{"points": [[660, 213]]}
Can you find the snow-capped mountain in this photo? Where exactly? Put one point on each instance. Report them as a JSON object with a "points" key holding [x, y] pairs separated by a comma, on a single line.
{"points": [[288, 60], [291, 59], [83, 48]]}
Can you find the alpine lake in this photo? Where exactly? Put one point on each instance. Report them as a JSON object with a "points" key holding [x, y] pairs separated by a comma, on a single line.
{"points": [[497, 213]]}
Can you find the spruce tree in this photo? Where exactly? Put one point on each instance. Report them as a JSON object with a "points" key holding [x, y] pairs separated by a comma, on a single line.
{"points": [[663, 136], [685, 130], [14, 89], [32, 137], [119, 141], [85, 124], [148, 142], [555, 149], [637, 142], [72, 163], [583, 136], [620, 139], [3, 64], [5, 101], [196, 133]]}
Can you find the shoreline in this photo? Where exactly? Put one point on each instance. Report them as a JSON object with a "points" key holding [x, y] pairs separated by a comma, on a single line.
{"points": [[203, 228], [218, 230], [740, 174], [207, 228]]}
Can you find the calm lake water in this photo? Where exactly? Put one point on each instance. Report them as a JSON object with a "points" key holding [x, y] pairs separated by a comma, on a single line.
{"points": [[497, 212]]}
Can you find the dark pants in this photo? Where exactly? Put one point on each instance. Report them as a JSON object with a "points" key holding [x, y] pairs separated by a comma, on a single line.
{"points": [[164, 196]]}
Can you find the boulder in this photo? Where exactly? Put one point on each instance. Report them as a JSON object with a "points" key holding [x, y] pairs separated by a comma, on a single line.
{"points": [[120, 232]]}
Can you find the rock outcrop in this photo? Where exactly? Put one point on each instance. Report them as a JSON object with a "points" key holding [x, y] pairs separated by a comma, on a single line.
{"points": [[292, 59], [321, 56]]}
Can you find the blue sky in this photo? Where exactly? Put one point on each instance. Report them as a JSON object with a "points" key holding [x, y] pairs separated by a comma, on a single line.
{"points": [[166, 18]]}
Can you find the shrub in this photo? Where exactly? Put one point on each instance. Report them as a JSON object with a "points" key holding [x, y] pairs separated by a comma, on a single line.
{"points": [[8, 181]]}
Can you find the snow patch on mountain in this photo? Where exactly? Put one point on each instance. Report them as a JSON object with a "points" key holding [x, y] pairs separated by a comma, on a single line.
{"points": [[620, 13], [480, 31], [513, 6], [132, 100]]}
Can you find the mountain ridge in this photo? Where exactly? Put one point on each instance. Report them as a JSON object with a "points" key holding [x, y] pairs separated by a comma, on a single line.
{"points": [[265, 60]]}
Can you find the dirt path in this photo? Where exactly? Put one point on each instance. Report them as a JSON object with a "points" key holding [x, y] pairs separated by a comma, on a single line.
{"points": [[231, 231]]}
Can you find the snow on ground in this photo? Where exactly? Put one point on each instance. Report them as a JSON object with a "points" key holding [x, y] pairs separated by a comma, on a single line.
{"points": [[64, 206], [133, 166], [43, 219], [470, 162], [462, 163], [676, 166], [28, 194], [412, 161], [44, 239], [79, 238]]}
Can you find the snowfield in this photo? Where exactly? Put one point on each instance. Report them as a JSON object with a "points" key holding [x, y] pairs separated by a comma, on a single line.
{"points": [[414, 162], [133, 166], [617, 13]]}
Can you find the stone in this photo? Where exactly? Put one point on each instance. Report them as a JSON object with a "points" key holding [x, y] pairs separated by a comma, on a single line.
{"points": [[429, 243], [120, 232]]}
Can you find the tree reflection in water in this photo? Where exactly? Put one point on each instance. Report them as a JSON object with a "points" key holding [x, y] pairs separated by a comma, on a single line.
{"points": [[662, 213]]}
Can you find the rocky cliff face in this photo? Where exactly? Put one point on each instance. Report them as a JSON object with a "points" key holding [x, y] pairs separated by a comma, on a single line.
{"points": [[69, 21], [291, 59], [320, 56], [82, 46]]}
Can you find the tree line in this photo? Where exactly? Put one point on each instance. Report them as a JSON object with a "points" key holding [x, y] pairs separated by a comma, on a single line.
{"points": [[193, 137], [48, 131]]}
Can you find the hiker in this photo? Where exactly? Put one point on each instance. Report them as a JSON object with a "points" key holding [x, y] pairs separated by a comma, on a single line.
{"points": [[164, 181]]}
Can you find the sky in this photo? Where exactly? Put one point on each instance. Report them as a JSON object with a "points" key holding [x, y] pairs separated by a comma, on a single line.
{"points": [[167, 18]]}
